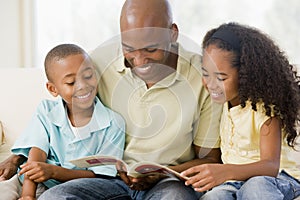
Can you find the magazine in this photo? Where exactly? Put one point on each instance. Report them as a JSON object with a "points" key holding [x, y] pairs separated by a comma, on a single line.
{"points": [[139, 169]]}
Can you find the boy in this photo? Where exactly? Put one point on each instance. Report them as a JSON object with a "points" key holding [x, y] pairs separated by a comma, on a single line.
{"points": [[75, 125]]}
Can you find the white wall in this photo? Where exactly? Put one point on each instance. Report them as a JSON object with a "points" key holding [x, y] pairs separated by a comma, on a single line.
{"points": [[10, 50], [16, 33]]}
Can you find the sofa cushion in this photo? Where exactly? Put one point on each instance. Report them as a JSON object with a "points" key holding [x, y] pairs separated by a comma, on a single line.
{"points": [[1, 134]]}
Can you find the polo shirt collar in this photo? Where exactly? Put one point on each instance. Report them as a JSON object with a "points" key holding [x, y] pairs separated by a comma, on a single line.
{"points": [[100, 119]]}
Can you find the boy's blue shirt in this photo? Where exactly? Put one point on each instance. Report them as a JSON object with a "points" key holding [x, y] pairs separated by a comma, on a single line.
{"points": [[49, 130]]}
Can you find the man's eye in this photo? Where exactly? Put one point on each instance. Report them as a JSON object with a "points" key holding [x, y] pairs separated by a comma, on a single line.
{"points": [[127, 49], [70, 83], [88, 76], [150, 50]]}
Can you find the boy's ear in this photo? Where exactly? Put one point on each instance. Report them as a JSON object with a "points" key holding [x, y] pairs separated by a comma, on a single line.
{"points": [[52, 89]]}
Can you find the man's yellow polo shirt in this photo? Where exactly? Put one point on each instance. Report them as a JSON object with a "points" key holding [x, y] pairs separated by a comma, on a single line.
{"points": [[162, 122]]}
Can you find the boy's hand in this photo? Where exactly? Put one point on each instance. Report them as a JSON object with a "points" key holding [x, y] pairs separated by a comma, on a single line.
{"points": [[27, 198], [37, 171]]}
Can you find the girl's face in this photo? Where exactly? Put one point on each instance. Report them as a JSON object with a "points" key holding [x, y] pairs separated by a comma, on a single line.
{"points": [[219, 76]]}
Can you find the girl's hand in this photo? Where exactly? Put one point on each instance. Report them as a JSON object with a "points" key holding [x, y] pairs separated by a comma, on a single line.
{"points": [[37, 171], [204, 177]]}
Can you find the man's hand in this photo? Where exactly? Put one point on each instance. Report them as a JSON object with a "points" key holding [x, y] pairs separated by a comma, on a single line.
{"points": [[8, 168], [141, 183]]}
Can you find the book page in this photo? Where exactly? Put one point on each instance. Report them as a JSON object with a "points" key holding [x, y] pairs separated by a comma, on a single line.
{"points": [[140, 169], [96, 160], [147, 168]]}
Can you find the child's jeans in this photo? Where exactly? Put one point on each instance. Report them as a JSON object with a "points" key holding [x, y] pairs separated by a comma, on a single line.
{"points": [[283, 187]]}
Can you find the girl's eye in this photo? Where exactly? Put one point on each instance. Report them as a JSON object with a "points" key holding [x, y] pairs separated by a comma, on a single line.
{"points": [[221, 79]]}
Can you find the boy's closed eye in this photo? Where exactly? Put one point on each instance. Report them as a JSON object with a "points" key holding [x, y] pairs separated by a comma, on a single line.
{"points": [[70, 82]]}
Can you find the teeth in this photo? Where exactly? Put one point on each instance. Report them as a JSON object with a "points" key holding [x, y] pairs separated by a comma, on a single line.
{"points": [[143, 69], [84, 96], [215, 94]]}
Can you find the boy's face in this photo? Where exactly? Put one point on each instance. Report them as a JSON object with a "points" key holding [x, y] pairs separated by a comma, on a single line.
{"points": [[219, 76], [74, 78]]}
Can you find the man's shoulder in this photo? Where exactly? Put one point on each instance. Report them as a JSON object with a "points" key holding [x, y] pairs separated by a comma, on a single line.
{"points": [[188, 57], [111, 114], [106, 53]]}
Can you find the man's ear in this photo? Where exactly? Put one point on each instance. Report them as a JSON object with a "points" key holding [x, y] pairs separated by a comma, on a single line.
{"points": [[52, 89], [175, 32]]}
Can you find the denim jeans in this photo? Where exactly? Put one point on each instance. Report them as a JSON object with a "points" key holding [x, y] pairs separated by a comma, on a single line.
{"points": [[283, 187], [116, 189]]}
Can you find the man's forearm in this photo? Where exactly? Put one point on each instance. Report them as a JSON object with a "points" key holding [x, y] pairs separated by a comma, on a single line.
{"points": [[16, 159], [8, 167]]}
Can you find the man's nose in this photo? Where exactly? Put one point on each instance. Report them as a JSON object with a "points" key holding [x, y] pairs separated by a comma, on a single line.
{"points": [[139, 58]]}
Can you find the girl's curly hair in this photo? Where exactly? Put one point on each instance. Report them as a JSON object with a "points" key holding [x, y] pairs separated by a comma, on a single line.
{"points": [[265, 75]]}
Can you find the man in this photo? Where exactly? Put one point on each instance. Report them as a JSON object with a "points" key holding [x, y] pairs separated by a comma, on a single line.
{"points": [[156, 86]]}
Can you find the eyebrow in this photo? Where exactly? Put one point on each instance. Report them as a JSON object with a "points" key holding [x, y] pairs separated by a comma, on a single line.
{"points": [[69, 75], [146, 47], [217, 73], [221, 73]]}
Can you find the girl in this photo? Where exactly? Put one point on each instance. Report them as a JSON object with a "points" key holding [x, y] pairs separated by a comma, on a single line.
{"points": [[243, 68]]}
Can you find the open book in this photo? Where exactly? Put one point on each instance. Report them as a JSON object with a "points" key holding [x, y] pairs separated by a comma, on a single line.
{"points": [[139, 169]]}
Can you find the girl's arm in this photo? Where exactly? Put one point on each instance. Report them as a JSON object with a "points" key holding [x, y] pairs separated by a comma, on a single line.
{"points": [[206, 176], [270, 150]]}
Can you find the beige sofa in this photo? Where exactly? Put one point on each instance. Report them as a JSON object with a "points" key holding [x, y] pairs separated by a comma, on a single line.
{"points": [[21, 91]]}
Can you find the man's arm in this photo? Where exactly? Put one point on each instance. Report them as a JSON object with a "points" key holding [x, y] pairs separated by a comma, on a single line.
{"points": [[203, 155], [8, 167]]}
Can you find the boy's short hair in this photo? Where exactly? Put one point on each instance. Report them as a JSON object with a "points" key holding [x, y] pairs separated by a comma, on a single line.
{"points": [[59, 52]]}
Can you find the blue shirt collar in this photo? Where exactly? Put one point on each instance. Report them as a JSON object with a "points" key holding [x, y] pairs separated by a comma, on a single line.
{"points": [[100, 119]]}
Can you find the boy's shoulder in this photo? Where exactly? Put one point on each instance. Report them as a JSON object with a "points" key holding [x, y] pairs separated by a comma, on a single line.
{"points": [[46, 105]]}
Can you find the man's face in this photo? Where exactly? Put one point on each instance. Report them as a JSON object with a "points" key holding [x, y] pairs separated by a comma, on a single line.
{"points": [[147, 52]]}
